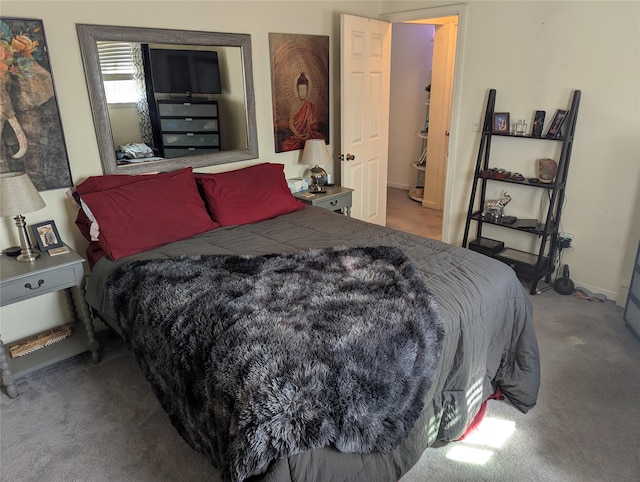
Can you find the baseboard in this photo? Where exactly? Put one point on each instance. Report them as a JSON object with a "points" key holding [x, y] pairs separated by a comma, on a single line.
{"points": [[397, 185]]}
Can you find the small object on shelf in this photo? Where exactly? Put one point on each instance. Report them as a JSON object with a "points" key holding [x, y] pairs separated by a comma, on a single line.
{"points": [[494, 208], [40, 340], [538, 123], [527, 223], [521, 128], [547, 169], [486, 245], [555, 128], [496, 173], [501, 123], [516, 176]]}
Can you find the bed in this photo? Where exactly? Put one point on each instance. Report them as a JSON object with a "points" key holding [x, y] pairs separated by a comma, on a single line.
{"points": [[479, 338]]}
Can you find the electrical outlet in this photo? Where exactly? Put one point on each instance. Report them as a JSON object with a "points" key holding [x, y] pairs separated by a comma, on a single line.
{"points": [[476, 125], [564, 240]]}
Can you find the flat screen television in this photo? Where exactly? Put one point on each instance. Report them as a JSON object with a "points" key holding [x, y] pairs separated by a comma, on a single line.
{"points": [[185, 71]]}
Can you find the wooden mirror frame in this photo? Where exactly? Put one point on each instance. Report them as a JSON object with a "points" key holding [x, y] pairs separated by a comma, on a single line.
{"points": [[88, 35]]}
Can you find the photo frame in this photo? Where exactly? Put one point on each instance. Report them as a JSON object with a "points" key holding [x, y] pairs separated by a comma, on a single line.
{"points": [[554, 130], [501, 123], [538, 123], [47, 235]]}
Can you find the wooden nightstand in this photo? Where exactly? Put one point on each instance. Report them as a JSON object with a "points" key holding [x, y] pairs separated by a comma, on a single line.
{"points": [[336, 198], [47, 274]]}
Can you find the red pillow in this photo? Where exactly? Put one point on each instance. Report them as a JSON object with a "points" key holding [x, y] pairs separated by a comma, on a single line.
{"points": [[101, 183], [111, 181], [248, 195], [139, 216]]}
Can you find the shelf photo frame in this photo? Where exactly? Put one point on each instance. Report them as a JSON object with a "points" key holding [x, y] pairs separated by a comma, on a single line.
{"points": [[501, 123], [554, 130], [47, 235], [538, 123]]}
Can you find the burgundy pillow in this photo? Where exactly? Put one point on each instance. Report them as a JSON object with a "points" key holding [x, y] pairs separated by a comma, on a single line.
{"points": [[102, 183], [248, 195], [139, 216], [111, 181], [84, 224]]}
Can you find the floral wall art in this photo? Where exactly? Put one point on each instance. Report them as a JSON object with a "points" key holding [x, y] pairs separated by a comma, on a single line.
{"points": [[31, 136]]}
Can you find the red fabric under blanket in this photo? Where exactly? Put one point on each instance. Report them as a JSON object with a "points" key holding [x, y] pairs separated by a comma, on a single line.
{"points": [[94, 252], [477, 420]]}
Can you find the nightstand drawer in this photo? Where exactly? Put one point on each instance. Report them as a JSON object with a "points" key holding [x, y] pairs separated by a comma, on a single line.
{"points": [[335, 203], [40, 283]]}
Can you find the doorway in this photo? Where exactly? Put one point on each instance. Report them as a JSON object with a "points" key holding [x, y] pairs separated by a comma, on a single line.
{"points": [[437, 36]]}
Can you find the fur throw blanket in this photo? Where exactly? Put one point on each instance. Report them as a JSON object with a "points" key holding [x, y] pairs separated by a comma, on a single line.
{"points": [[259, 357]]}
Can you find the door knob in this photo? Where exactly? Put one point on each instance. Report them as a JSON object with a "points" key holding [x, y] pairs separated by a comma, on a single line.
{"points": [[350, 157]]}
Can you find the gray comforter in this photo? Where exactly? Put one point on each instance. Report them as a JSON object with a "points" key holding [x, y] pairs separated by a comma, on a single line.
{"points": [[489, 340]]}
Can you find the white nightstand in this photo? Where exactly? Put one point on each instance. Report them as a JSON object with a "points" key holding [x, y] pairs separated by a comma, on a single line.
{"points": [[336, 198], [47, 274]]}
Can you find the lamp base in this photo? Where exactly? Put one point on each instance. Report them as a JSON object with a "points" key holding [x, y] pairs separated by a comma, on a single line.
{"points": [[27, 256], [27, 253], [318, 180], [317, 189]]}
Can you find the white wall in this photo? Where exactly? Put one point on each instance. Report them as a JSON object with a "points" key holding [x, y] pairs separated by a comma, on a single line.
{"points": [[411, 57], [60, 17], [535, 53]]}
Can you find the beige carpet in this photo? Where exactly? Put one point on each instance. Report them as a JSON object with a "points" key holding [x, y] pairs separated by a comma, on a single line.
{"points": [[410, 216]]}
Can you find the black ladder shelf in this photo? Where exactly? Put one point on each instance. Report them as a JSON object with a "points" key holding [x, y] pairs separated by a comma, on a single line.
{"points": [[540, 264]]}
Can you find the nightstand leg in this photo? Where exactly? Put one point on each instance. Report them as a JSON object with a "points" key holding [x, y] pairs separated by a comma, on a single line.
{"points": [[86, 318], [7, 376]]}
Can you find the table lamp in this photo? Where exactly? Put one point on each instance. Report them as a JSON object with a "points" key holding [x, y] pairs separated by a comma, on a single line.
{"points": [[19, 195], [315, 153]]}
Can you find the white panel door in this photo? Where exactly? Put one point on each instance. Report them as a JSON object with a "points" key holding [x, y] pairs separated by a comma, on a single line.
{"points": [[365, 64]]}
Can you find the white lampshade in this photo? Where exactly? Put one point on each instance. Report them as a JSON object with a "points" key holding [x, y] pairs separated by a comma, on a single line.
{"points": [[18, 195], [315, 153]]}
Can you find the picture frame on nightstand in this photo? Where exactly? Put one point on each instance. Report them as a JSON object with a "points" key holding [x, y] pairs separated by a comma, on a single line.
{"points": [[47, 236]]}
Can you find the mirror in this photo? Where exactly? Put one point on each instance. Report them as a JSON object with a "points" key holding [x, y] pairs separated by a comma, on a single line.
{"points": [[234, 52]]}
